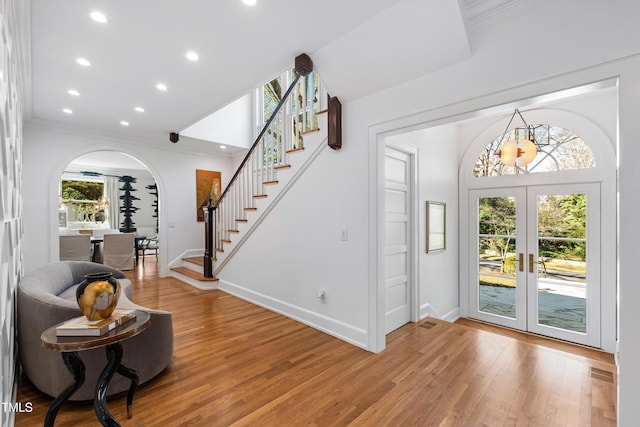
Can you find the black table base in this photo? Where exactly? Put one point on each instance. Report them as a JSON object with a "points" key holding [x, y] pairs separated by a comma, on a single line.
{"points": [[77, 368]]}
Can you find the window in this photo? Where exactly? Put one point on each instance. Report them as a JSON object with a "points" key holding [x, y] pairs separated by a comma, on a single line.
{"points": [[83, 200], [559, 149], [305, 107], [300, 113], [271, 96]]}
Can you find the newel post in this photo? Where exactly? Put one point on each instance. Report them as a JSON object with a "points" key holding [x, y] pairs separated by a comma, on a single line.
{"points": [[209, 242]]}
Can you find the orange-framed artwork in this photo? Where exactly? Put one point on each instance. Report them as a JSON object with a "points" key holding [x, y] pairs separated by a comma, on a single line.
{"points": [[208, 187]]}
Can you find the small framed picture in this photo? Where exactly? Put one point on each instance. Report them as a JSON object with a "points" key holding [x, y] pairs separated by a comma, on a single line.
{"points": [[436, 226]]}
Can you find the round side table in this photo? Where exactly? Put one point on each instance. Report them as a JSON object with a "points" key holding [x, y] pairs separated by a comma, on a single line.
{"points": [[69, 348]]}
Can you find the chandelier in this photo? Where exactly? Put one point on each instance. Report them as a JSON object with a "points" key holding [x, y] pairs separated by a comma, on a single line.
{"points": [[519, 151]]}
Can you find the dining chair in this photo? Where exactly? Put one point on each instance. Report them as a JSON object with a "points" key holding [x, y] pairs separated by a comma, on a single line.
{"points": [[118, 250], [75, 247], [149, 244], [98, 235]]}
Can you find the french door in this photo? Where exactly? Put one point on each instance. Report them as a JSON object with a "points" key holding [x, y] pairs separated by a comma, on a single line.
{"points": [[535, 260]]}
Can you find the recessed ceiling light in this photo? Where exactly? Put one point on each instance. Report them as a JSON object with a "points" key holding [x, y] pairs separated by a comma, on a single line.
{"points": [[161, 86], [84, 62], [67, 111], [73, 92], [223, 147], [124, 123], [98, 17], [139, 109], [192, 56], [249, 2]]}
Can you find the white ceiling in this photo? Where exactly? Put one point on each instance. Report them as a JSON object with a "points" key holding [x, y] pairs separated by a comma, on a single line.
{"points": [[358, 46]]}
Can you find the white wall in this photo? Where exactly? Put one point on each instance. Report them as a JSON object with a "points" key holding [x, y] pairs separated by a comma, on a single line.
{"points": [[438, 182], [47, 151], [11, 196], [563, 52], [232, 124], [298, 250]]}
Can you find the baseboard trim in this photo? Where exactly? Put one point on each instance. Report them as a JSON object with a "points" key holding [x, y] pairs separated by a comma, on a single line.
{"points": [[427, 310], [452, 316], [345, 332]]}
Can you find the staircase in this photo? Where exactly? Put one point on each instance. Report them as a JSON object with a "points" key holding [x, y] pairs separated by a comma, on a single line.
{"points": [[292, 138]]}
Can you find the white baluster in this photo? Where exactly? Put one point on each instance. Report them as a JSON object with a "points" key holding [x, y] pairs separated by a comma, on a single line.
{"points": [[304, 82]]}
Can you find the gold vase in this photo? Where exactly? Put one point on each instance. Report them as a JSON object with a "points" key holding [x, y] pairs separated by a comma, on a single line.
{"points": [[97, 295]]}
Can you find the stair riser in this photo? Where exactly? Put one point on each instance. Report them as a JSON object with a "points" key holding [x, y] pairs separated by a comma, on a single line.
{"points": [[191, 266], [212, 285]]}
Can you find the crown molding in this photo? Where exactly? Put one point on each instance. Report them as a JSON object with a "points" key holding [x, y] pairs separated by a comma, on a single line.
{"points": [[488, 14]]}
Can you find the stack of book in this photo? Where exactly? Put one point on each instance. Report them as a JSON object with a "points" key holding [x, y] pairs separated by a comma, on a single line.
{"points": [[83, 327]]}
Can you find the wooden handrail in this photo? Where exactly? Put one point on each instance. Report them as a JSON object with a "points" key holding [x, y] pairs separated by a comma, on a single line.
{"points": [[303, 66]]}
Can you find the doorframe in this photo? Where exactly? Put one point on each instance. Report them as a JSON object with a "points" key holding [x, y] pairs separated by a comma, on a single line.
{"points": [[604, 173], [526, 296], [376, 324], [503, 101], [54, 184]]}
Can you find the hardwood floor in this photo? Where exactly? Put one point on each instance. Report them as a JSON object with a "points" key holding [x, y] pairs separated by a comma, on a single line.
{"points": [[238, 364]]}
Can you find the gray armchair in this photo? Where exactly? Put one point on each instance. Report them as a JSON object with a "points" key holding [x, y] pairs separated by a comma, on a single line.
{"points": [[46, 297]]}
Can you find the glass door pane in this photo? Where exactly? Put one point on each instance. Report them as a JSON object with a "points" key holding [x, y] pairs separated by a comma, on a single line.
{"points": [[498, 276], [562, 261], [497, 256], [563, 274]]}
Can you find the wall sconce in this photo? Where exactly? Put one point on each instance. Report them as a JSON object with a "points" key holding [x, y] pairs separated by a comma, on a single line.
{"points": [[518, 151]]}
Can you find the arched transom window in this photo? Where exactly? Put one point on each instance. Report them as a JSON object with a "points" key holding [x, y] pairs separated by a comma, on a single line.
{"points": [[559, 149]]}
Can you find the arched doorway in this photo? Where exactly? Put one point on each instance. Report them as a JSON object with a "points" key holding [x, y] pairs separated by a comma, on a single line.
{"points": [[91, 198]]}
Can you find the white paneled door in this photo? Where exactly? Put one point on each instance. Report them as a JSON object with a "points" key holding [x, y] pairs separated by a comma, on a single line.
{"points": [[536, 260], [397, 239]]}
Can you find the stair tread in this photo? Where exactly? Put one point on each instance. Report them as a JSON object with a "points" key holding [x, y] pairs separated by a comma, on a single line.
{"points": [[293, 150], [275, 181], [259, 196], [282, 167], [198, 260], [310, 131], [194, 274]]}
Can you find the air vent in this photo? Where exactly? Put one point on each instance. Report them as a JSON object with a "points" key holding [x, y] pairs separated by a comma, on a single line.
{"points": [[427, 324], [601, 374]]}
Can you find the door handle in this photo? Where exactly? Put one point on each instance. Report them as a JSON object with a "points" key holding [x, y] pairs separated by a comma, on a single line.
{"points": [[531, 263], [521, 262]]}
